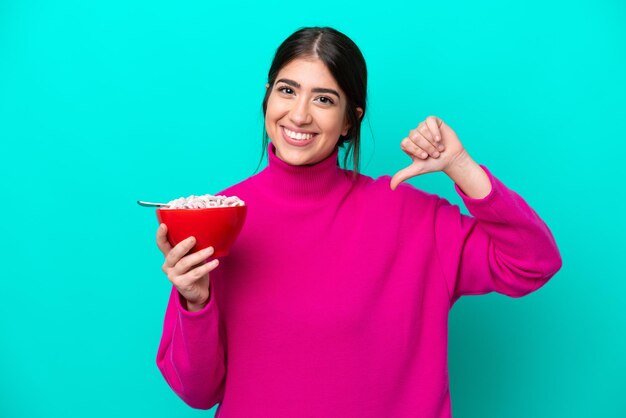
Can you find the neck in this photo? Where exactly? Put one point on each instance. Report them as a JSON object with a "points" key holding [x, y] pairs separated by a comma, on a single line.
{"points": [[306, 182]]}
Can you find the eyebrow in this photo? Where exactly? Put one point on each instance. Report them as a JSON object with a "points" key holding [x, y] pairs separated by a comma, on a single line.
{"points": [[315, 90]]}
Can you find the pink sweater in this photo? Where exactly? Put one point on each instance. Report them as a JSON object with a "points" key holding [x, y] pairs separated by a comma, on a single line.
{"points": [[334, 300]]}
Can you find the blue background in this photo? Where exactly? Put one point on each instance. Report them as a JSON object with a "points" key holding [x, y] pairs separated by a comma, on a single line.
{"points": [[106, 102]]}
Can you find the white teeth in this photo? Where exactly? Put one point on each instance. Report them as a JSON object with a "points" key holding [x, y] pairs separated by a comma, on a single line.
{"points": [[297, 135]]}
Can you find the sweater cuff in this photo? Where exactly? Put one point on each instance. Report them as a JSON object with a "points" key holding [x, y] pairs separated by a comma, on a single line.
{"points": [[495, 184], [208, 308], [501, 205]]}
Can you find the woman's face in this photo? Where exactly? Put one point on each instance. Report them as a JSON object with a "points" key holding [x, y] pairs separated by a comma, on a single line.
{"points": [[306, 112]]}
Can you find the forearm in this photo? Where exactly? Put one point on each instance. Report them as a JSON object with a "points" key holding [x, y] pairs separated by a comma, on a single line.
{"points": [[521, 246], [191, 353], [469, 176], [512, 251]]}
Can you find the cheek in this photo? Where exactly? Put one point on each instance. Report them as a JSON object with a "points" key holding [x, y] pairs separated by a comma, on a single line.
{"points": [[274, 110], [334, 124], [270, 128], [270, 114]]}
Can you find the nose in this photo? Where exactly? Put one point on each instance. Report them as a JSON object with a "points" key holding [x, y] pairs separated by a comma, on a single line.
{"points": [[300, 114]]}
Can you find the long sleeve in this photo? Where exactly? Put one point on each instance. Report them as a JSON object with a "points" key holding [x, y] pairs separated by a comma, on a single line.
{"points": [[191, 353], [336, 295], [503, 247]]}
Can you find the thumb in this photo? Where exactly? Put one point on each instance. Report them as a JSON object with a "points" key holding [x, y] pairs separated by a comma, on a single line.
{"points": [[404, 174]]}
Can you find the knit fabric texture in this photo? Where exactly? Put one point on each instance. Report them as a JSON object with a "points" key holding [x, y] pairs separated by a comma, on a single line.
{"points": [[334, 299]]}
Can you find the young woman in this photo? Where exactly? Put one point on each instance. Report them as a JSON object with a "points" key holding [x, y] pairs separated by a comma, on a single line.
{"points": [[334, 300]]}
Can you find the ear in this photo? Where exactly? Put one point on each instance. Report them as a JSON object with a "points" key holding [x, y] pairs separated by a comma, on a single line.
{"points": [[267, 86], [359, 112]]}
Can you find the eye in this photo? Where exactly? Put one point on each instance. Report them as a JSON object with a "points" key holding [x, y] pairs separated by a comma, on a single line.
{"points": [[325, 100], [285, 89]]}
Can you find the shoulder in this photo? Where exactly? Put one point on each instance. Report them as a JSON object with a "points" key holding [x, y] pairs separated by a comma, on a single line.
{"points": [[243, 189], [406, 198], [404, 193]]}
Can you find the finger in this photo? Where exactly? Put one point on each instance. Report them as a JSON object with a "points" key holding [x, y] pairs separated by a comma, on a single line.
{"points": [[161, 239], [193, 275], [423, 142], [179, 251], [412, 150], [423, 129], [404, 174], [434, 123], [431, 135], [188, 262]]}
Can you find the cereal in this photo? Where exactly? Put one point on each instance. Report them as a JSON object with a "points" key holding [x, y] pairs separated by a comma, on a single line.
{"points": [[204, 201]]}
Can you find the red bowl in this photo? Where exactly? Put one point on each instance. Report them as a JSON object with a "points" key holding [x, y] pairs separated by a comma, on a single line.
{"points": [[217, 227]]}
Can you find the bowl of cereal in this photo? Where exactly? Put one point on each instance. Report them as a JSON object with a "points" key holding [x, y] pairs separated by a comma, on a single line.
{"points": [[213, 220]]}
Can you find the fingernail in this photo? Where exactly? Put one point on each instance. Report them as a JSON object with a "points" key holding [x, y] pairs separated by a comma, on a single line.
{"points": [[435, 154], [440, 147]]}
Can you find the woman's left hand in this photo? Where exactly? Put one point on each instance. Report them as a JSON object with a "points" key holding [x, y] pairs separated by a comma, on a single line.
{"points": [[433, 146]]}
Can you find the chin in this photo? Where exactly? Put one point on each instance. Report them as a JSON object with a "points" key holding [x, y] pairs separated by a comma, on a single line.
{"points": [[295, 159], [304, 156]]}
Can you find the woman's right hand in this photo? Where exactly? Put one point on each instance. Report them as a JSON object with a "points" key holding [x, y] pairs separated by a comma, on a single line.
{"points": [[190, 274]]}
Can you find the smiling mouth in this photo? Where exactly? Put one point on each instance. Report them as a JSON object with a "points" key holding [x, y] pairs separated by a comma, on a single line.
{"points": [[298, 136]]}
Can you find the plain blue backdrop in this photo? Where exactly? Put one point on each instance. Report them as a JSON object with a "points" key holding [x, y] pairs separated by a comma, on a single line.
{"points": [[106, 102]]}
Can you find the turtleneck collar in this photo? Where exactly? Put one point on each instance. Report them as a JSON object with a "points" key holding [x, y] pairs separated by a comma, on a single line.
{"points": [[304, 182]]}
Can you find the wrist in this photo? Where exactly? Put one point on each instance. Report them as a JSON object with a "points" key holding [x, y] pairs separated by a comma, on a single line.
{"points": [[460, 167], [193, 307], [469, 176]]}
